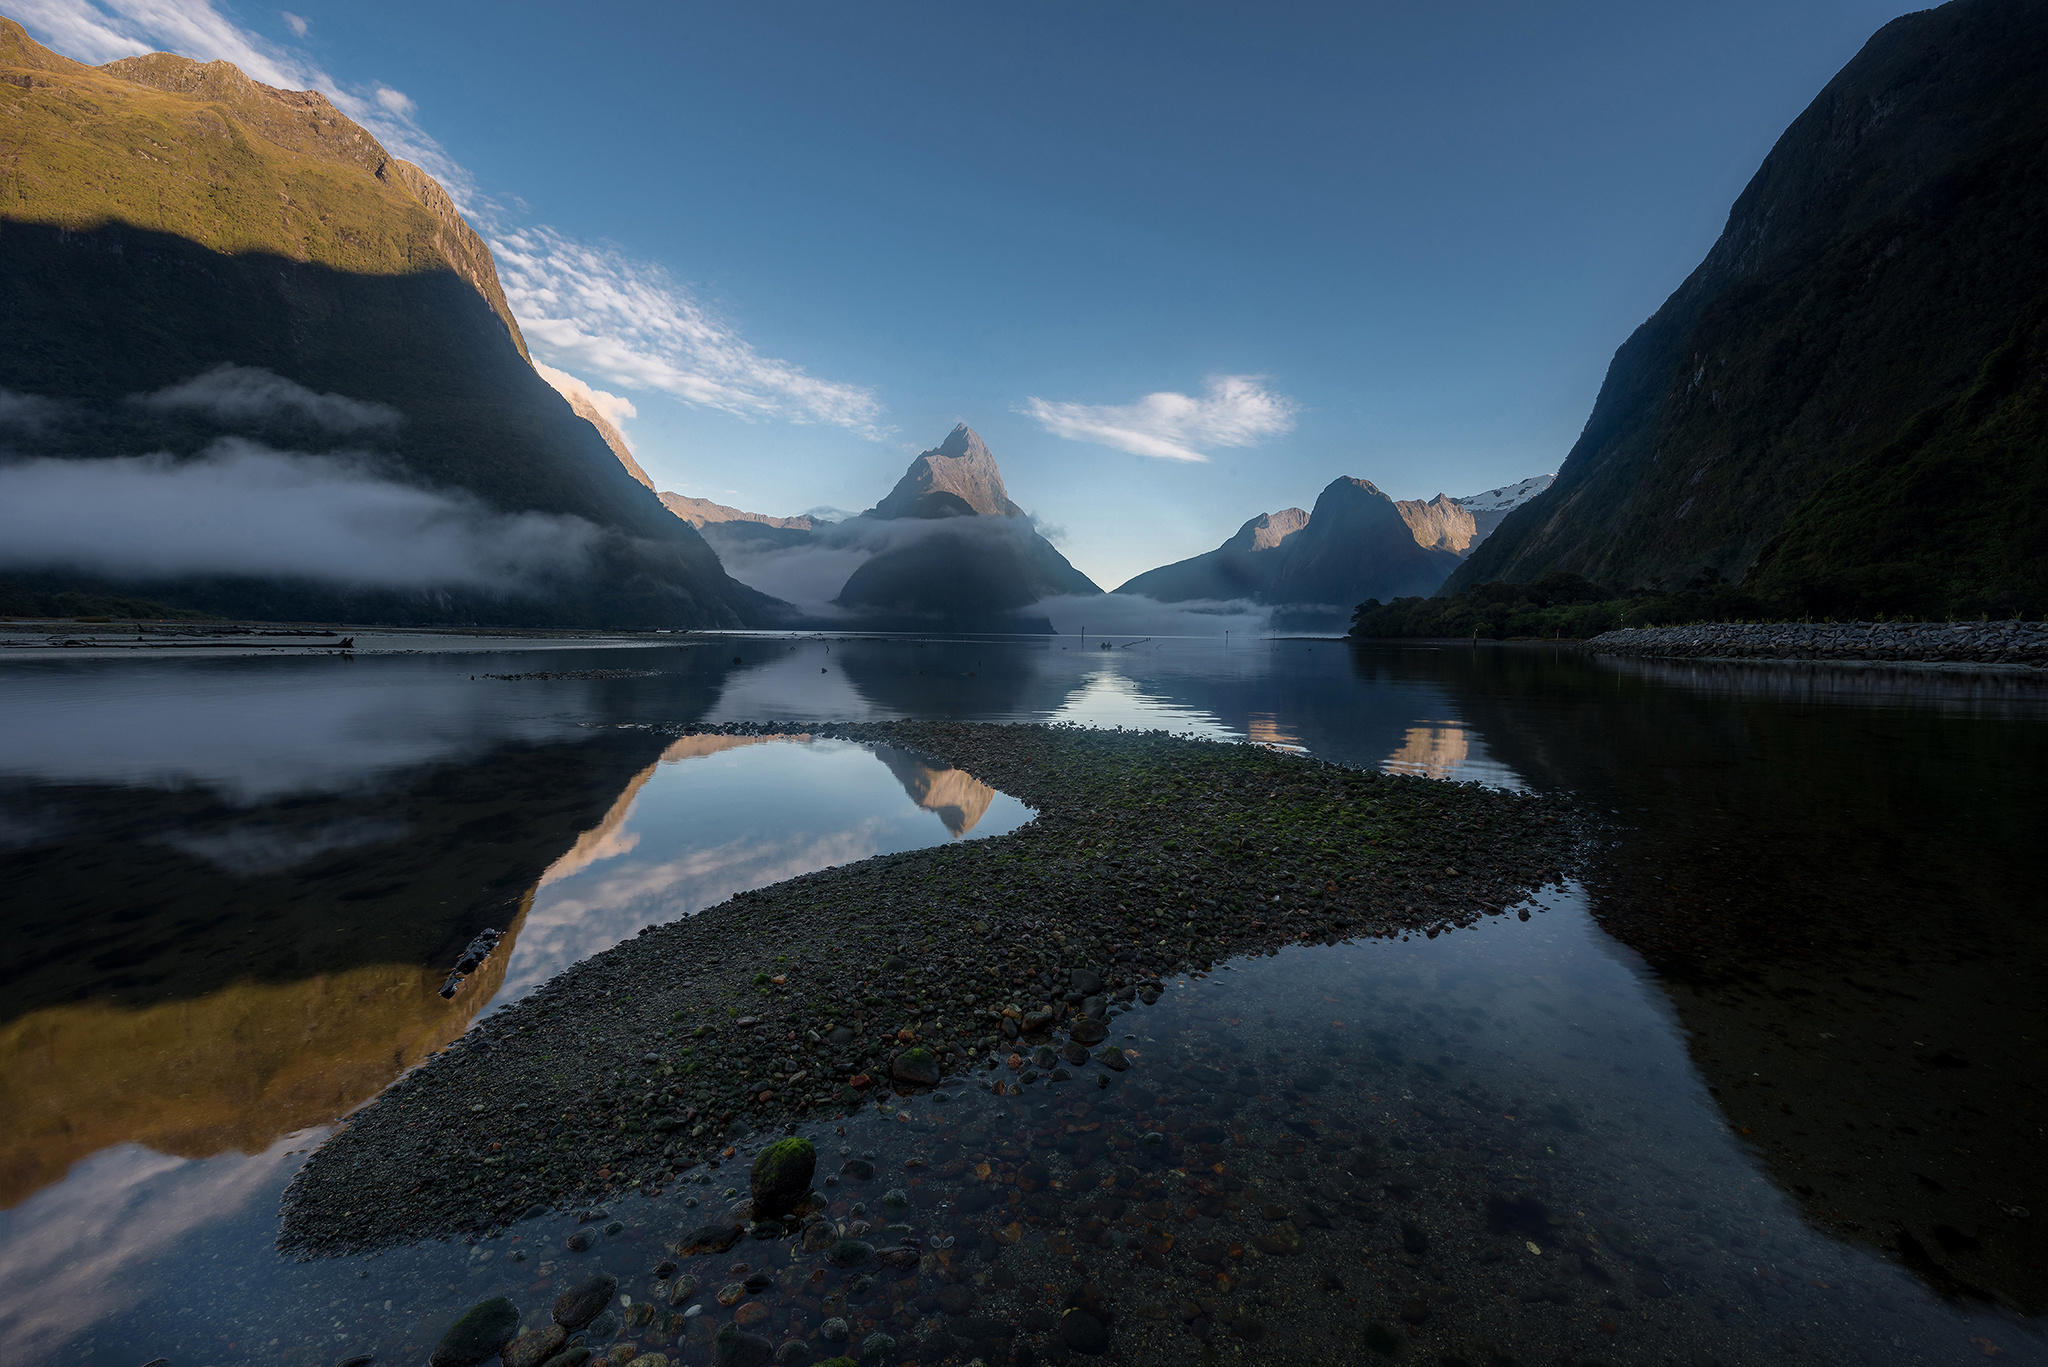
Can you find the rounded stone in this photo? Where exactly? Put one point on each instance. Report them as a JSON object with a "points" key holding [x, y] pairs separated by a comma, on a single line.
{"points": [[782, 1176], [479, 1335], [916, 1065]]}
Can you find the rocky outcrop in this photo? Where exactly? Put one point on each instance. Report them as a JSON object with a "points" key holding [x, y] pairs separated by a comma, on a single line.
{"points": [[1442, 523], [957, 478]]}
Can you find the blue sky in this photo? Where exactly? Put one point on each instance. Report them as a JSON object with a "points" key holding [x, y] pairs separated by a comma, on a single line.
{"points": [[800, 241]]}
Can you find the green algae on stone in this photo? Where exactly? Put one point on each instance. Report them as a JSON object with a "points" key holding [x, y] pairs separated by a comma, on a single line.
{"points": [[782, 1176]]}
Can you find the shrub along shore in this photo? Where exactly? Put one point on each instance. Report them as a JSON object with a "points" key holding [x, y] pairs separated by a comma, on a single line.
{"points": [[782, 1008]]}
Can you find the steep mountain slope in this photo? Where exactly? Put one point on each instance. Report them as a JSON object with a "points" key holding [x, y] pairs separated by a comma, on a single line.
{"points": [[956, 478], [1845, 401], [167, 223], [1441, 523], [980, 559], [946, 548], [1242, 567], [1356, 546], [1357, 541], [1489, 508]]}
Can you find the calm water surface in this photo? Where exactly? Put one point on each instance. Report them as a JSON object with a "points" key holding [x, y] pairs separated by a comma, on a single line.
{"points": [[1766, 1084]]}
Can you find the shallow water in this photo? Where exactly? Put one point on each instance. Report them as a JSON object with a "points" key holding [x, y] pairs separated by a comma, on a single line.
{"points": [[1768, 1082]]}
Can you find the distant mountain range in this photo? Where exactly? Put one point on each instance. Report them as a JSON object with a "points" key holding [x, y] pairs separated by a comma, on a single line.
{"points": [[702, 512], [1844, 409], [278, 365], [1357, 544], [946, 548]]}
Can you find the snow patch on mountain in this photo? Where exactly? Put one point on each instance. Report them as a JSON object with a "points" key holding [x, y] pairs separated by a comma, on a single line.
{"points": [[1508, 497]]}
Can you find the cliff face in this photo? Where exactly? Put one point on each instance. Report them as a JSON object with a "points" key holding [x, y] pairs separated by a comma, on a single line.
{"points": [[1442, 523], [1356, 546], [1845, 402], [161, 219], [957, 478]]}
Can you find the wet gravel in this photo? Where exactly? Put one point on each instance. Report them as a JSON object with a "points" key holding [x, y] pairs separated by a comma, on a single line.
{"points": [[1981, 643], [784, 1007]]}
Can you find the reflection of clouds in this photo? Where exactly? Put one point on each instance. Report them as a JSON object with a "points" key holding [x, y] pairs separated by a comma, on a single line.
{"points": [[70, 1255], [252, 848], [253, 732], [561, 930]]}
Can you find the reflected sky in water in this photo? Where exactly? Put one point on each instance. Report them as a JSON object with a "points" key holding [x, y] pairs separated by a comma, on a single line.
{"points": [[718, 815], [1795, 982]]}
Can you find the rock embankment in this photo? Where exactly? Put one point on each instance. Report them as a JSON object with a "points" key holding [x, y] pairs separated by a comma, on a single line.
{"points": [[1981, 643], [1151, 855]]}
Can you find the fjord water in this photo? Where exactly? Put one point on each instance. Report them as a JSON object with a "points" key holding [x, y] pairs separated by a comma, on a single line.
{"points": [[1767, 1081]]}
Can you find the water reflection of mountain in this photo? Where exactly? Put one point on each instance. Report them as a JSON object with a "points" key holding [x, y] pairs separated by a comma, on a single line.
{"points": [[196, 976], [1840, 903], [958, 797]]}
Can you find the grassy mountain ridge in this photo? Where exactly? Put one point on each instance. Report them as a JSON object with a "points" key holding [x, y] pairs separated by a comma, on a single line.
{"points": [[1798, 410], [160, 218]]}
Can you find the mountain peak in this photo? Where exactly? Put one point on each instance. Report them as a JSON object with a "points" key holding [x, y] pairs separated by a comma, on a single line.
{"points": [[957, 478], [1267, 530]]}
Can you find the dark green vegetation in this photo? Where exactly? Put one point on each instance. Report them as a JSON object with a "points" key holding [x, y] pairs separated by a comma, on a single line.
{"points": [[160, 218], [37, 596], [1844, 409], [1556, 605], [1151, 855]]}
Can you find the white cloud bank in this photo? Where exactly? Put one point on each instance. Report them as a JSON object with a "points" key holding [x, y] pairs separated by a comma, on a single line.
{"points": [[1234, 410], [244, 509], [233, 394], [606, 314]]}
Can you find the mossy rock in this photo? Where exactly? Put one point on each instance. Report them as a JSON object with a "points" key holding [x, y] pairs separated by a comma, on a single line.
{"points": [[916, 1065], [479, 1335], [782, 1176]]}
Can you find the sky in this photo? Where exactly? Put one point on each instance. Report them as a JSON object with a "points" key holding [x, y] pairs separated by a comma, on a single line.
{"points": [[1179, 264]]}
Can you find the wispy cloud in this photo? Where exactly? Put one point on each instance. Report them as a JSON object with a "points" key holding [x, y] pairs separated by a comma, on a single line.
{"points": [[587, 308], [103, 30], [602, 312], [1234, 410], [614, 408], [296, 23]]}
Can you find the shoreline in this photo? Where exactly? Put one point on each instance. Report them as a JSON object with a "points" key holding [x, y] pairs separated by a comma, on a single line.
{"points": [[1974, 645], [996, 961]]}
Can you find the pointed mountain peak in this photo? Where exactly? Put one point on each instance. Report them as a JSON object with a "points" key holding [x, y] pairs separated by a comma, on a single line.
{"points": [[964, 442], [957, 478]]}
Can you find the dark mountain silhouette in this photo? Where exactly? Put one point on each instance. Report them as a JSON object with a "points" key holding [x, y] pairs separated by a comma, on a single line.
{"points": [[163, 219], [1845, 407]]}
